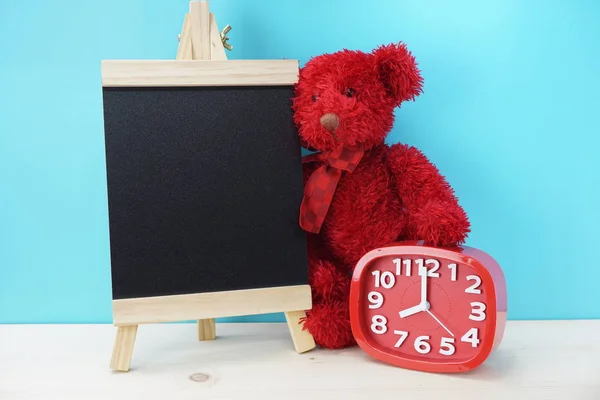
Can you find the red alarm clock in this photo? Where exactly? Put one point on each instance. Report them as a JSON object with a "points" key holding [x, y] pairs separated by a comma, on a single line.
{"points": [[428, 308]]}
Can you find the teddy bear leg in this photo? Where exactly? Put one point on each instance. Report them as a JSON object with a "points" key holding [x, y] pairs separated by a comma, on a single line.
{"points": [[329, 323], [329, 319]]}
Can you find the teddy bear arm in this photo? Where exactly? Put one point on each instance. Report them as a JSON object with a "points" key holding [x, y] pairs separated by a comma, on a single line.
{"points": [[432, 210]]}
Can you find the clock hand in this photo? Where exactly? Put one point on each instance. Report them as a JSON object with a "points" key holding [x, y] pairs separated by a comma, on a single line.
{"points": [[423, 273], [410, 311], [439, 322], [424, 304], [413, 310]]}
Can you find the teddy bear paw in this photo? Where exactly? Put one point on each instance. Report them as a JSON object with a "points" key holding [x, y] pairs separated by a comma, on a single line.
{"points": [[441, 223], [329, 323]]}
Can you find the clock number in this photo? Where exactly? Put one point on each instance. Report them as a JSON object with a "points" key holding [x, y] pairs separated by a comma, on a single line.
{"points": [[398, 263], [403, 336], [420, 266], [421, 346], [378, 325], [376, 300], [407, 265], [431, 273], [477, 311], [452, 271], [473, 288], [447, 346], [471, 337], [436, 265], [386, 279], [377, 275]]}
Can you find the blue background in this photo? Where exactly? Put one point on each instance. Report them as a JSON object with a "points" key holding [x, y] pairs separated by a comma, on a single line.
{"points": [[510, 114]]}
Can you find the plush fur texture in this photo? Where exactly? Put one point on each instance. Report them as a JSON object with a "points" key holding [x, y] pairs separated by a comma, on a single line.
{"points": [[394, 194]]}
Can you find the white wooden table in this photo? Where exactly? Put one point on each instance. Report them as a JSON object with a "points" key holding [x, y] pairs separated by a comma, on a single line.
{"points": [[537, 360]]}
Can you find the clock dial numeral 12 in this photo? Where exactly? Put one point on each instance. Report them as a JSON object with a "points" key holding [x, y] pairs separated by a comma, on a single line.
{"points": [[432, 263]]}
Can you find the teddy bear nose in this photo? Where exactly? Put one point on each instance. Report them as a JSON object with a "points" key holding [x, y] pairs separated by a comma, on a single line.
{"points": [[330, 121]]}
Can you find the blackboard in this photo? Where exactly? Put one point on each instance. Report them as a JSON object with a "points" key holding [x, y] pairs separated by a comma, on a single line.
{"points": [[204, 187]]}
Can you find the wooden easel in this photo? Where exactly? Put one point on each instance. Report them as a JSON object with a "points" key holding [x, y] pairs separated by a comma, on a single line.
{"points": [[200, 39]]}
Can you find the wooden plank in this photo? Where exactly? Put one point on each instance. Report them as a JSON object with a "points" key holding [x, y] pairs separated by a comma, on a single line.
{"points": [[211, 305], [199, 18], [217, 51], [207, 329], [184, 50], [538, 360], [141, 73], [302, 339], [123, 348]]}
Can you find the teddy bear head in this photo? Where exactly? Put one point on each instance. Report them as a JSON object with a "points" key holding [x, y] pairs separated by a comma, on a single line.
{"points": [[349, 97]]}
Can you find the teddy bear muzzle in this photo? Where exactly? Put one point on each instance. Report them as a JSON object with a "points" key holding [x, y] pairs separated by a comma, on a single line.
{"points": [[330, 121]]}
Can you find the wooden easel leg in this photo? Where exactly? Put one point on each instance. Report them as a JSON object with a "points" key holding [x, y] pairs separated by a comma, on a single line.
{"points": [[195, 43], [303, 340], [207, 329], [121, 357]]}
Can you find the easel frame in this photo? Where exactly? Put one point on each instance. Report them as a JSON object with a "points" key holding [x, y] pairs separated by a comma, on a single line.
{"points": [[200, 39]]}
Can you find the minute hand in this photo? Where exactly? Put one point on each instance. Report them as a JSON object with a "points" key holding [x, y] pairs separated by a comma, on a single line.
{"points": [[423, 272], [424, 304]]}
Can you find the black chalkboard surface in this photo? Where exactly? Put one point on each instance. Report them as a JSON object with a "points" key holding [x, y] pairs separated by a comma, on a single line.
{"points": [[204, 183], [204, 188]]}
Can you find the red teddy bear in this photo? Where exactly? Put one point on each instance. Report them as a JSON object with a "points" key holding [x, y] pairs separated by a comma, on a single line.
{"points": [[360, 193]]}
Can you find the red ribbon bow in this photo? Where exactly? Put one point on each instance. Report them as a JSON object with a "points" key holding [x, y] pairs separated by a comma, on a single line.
{"points": [[320, 187]]}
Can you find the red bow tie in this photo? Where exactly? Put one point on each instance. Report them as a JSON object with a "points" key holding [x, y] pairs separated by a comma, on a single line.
{"points": [[320, 187]]}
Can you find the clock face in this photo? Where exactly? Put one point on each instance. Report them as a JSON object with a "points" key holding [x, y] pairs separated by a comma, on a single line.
{"points": [[425, 311]]}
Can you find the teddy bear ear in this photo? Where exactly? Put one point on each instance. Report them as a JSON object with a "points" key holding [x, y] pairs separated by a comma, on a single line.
{"points": [[398, 72]]}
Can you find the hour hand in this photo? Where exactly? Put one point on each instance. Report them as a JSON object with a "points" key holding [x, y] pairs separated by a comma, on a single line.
{"points": [[413, 310]]}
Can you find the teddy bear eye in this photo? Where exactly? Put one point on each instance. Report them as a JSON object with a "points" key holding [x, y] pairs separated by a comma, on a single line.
{"points": [[349, 92], [315, 97]]}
